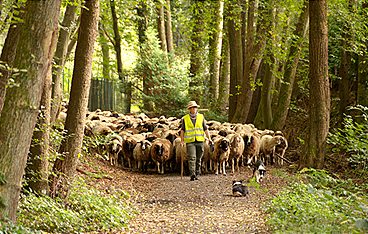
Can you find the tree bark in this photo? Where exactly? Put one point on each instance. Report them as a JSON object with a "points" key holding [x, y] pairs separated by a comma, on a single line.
{"points": [[319, 112], [224, 83], [60, 57], [236, 61], [105, 53], [215, 52], [283, 104], [168, 27], [161, 26], [20, 110], [65, 167]]}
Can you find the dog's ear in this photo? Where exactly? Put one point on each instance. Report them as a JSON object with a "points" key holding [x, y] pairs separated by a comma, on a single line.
{"points": [[241, 181], [234, 181]]}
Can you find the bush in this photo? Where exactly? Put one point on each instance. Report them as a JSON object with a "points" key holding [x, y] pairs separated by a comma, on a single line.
{"points": [[86, 210], [352, 139], [318, 206]]}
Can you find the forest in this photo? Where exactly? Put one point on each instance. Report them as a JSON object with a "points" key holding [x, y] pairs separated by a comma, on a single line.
{"points": [[293, 67]]}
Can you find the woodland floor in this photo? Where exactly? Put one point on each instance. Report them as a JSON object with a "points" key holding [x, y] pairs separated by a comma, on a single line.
{"points": [[171, 204]]}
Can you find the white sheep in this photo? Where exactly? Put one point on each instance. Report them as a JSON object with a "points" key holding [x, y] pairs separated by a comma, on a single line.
{"points": [[267, 148], [236, 150]]}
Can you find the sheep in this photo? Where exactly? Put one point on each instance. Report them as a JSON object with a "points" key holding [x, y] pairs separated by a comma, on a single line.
{"points": [[207, 152], [236, 150], [128, 146], [114, 146], [252, 145], [181, 156], [160, 152], [267, 148], [141, 154], [281, 148], [221, 154]]}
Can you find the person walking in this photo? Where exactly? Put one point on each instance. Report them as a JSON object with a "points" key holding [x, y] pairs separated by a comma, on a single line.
{"points": [[192, 133]]}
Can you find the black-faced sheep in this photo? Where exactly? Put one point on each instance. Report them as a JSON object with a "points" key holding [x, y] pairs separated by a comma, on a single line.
{"points": [[236, 150], [114, 146], [160, 152], [221, 154], [142, 155], [128, 146], [267, 149]]}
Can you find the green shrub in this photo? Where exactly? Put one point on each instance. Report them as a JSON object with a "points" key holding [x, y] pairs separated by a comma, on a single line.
{"points": [[86, 209], [318, 206], [352, 138]]}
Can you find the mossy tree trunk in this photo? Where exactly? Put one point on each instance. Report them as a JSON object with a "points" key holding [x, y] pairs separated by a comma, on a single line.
{"points": [[22, 102]]}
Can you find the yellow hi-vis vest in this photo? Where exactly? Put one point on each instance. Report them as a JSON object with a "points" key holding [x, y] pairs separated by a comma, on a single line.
{"points": [[193, 133]]}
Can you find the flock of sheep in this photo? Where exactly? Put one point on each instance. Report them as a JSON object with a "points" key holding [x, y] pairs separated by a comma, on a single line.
{"points": [[137, 141]]}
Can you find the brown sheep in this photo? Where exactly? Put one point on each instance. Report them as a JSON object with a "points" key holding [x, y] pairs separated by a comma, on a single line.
{"points": [[207, 152], [281, 148], [141, 154], [267, 148], [252, 145], [180, 154], [236, 150], [221, 154], [160, 152], [128, 146]]}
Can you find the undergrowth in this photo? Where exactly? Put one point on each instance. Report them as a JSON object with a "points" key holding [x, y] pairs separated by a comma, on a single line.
{"points": [[320, 203], [86, 210]]}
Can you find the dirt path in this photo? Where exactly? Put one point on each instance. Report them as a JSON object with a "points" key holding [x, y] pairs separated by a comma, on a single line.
{"points": [[171, 204]]}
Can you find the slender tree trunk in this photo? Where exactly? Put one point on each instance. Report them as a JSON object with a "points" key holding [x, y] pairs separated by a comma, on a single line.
{"points": [[20, 110], [224, 84], [319, 113], [105, 53], [362, 89], [196, 53], [37, 169], [64, 168], [236, 62], [281, 112], [161, 25], [60, 57], [7, 57], [215, 52], [168, 27]]}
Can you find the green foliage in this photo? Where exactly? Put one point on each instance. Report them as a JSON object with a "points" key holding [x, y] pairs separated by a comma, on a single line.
{"points": [[10, 227], [352, 138], [87, 209], [167, 77], [319, 205]]}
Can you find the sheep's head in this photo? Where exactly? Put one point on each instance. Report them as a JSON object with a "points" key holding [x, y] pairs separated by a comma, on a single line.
{"points": [[224, 144], [158, 149]]}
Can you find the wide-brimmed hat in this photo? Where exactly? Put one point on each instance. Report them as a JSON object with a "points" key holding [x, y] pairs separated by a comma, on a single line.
{"points": [[192, 104]]}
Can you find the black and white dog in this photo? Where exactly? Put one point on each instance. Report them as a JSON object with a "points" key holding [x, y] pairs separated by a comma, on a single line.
{"points": [[259, 171], [239, 189]]}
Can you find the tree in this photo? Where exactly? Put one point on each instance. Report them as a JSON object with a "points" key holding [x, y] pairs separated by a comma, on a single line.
{"points": [[161, 25], [319, 92], [65, 32], [20, 110], [168, 27], [283, 104], [65, 167]]}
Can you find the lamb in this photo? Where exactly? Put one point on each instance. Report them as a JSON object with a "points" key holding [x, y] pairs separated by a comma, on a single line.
{"points": [[160, 152], [236, 150], [252, 145], [267, 148], [281, 148], [114, 146], [221, 154], [141, 154]]}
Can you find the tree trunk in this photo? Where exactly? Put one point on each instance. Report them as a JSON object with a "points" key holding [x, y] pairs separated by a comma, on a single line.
{"points": [[319, 113], [64, 168], [105, 53], [7, 57], [281, 112], [60, 57], [37, 169], [119, 62], [215, 52], [266, 95], [168, 27], [224, 83], [196, 53], [20, 110], [362, 89], [236, 62], [252, 59], [161, 25]]}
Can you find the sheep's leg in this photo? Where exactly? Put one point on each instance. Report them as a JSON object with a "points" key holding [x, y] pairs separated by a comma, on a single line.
{"points": [[163, 168], [139, 164], [211, 164], [237, 164], [232, 165], [216, 169], [158, 167], [224, 166]]}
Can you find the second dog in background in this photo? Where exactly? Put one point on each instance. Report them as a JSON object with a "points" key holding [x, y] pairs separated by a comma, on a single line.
{"points": [[259, 171]]}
